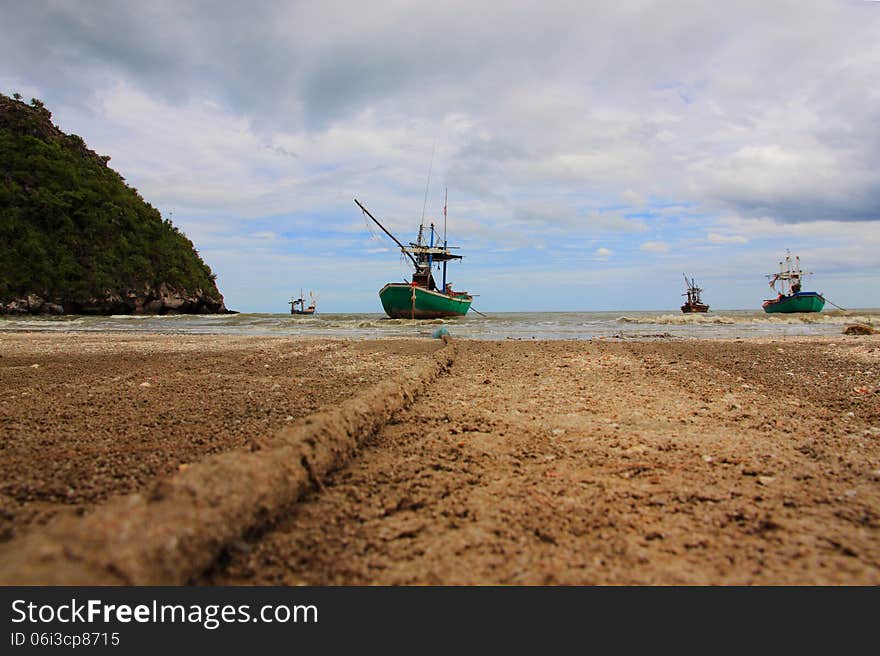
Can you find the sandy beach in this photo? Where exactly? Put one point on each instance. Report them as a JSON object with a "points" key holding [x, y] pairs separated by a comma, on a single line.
{"points": [[85, 417], [526, 462]]}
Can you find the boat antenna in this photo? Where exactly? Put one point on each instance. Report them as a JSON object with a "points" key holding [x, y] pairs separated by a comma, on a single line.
{"points": [[445, 202], [445, 248], [428, 183]]}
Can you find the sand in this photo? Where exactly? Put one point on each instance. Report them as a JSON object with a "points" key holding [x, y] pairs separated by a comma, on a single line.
{"points": [[664, 462], [84, 417]]}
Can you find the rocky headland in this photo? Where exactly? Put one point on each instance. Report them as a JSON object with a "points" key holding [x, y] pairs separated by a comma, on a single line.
{"points": [[76, 239]]}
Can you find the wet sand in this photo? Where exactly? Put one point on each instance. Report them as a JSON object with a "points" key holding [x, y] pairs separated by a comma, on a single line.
{"points": [[603, 462]]}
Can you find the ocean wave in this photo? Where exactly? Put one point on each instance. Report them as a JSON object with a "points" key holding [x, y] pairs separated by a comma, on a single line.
{"points": [[538, 325], [767, 319], [149, 317], [387, 323]]}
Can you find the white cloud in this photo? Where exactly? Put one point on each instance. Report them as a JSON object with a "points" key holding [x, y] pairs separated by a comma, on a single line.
{"points": [[600, 222], [716, 238], [654, 247], [633, 198]]}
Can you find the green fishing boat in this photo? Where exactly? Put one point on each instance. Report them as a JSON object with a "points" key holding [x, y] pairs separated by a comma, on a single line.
{"points": [[800, 302], [790, 298], [409, 301], [421, 298]]}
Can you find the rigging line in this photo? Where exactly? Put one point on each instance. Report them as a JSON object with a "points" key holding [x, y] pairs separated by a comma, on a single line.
{"points": [[370, 229], [428, 183], [834, 304]]}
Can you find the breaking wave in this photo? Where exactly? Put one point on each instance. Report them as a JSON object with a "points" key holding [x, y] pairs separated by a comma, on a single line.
{"points": [[499, 326], [823, 318]]}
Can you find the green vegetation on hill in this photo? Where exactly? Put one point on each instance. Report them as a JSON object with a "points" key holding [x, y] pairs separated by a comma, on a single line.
{"points": [[71, 229]]}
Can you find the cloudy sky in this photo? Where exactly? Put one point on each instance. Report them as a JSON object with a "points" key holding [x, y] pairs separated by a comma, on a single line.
{"points": [[592, 151]]}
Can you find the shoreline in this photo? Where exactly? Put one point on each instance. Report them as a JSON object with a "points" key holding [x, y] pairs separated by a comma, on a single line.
{"points": [[747, 448], [644, 325]]}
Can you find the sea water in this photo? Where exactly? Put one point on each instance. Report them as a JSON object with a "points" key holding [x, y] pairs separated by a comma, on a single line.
{"points": [[728, 324]]}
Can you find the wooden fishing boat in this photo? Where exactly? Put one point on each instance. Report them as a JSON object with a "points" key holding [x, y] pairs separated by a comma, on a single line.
{"points": [[421, 298], [298, 305], [789, 295], [693, 302]]}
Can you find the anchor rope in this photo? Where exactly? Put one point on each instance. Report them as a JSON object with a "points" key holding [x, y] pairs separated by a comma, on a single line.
{"points": [[833, 303]]}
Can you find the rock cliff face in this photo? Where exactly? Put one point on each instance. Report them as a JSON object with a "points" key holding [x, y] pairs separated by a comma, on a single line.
{"points": [[147, 300], [75, 239]]}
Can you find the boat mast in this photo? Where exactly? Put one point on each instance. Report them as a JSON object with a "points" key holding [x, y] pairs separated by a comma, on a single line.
{"points": [[693, 292], [799, 275], [396, 241], [422, 256], [782, 276], [427, 184], [788, 265], [445, 199]]}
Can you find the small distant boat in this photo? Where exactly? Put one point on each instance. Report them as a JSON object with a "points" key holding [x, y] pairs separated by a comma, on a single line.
{"points": [[298, 305], [789, 296], [421, 298], [693, 303]]}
